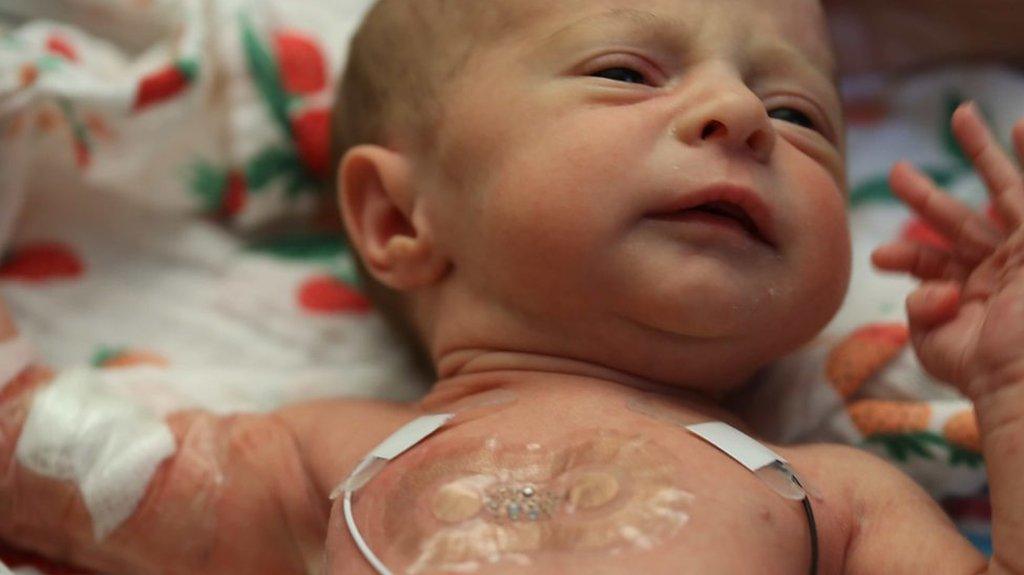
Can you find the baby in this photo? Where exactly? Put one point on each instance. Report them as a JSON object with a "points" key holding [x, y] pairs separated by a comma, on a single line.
{"points": [[598, 218]]}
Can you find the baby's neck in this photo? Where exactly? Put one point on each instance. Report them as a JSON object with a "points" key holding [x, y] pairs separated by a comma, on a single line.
{"points": [[467, 375]]}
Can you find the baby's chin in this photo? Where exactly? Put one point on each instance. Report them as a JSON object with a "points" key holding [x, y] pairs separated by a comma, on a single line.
{"points": [[728, 339], [715, 300], [713, 311]]}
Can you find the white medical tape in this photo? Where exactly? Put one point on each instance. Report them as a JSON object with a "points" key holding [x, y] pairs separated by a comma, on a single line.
{"points": [[770, 467], [398, 443], [4, 570], [15, 355], [409, 435], [746, 450], [79, 430]]}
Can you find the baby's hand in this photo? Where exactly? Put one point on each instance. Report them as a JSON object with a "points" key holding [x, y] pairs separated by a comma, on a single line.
{"points": [[967, 317]]}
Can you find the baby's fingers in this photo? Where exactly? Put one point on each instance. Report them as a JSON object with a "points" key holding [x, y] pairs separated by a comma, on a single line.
{"points": [[921, 261], [972, 236], [943, 327], [1001, 176], [932, 304]]}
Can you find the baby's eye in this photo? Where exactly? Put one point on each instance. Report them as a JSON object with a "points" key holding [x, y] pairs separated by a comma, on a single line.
{"points": [[622, 74], [793, 115]]}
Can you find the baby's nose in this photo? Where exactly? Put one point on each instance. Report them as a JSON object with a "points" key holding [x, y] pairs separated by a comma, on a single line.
{"points": [[732, 116]]}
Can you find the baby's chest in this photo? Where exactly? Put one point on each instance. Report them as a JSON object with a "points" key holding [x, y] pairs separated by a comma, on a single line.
{"points": [[605, 501]]}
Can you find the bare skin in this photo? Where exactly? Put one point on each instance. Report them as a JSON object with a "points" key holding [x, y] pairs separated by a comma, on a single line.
{"points": [[247, 494], [869, 515], [863, 505]]}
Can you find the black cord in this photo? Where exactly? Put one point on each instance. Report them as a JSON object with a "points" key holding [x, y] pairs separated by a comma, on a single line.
{"points": [[813, 527]]}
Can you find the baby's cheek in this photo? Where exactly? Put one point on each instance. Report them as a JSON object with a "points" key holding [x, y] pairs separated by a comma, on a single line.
{"points": [[832, 237], [821, 259]]}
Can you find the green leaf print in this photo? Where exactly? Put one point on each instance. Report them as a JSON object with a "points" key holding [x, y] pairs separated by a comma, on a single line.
{"points": [[960, 457], [104, 354], [267, 77], [901, 447], [208, 182], [271, 164], [49, 63], [304, 247], [874, 190]]}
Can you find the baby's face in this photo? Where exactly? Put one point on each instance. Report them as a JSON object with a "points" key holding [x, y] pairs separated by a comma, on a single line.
{"points": [[569, 153]]}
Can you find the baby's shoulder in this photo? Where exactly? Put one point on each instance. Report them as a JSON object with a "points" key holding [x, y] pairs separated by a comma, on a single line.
{"points": [[854, 473]]}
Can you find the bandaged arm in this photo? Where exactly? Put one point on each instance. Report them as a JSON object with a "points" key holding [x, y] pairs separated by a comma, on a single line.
{"points": [[236, 495]]}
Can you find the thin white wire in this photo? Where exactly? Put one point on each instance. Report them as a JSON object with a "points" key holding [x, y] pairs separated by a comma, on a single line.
{"points": [[358, 537]]}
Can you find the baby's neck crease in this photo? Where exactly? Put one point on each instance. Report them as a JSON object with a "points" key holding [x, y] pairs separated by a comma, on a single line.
{"points": [[473, 371]]}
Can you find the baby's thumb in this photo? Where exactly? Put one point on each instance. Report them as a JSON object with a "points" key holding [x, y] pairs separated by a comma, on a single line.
{"points": [[932, 304]]}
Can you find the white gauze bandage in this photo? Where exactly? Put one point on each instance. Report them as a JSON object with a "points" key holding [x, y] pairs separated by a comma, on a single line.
{"points": [[80, 430]]}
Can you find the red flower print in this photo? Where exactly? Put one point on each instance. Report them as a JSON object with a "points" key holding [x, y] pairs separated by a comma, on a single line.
{"points": [[60, 46], [48, 119], [82, 155], [164, 84], [118, 358], [28, 75], [235, 194], [329, 295], [302, 65], [97, 126], [42, 262], [312, 132]]}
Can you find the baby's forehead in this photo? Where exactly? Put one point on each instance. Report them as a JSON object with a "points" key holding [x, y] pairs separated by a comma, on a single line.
{"points": [[797, 25]]}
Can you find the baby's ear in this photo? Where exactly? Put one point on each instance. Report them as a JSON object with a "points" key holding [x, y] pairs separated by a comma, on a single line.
{"points": [[379, 207]]}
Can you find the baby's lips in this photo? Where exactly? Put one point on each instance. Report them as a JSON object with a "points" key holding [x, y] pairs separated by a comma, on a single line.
{"points": [[741, 197]]}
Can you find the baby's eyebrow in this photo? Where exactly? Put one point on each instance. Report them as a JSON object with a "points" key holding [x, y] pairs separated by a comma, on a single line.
{"points": [[776, 52], [668, 29]]}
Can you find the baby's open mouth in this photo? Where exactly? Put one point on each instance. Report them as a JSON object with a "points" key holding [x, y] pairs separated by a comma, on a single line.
{"points": [[721, 213]]}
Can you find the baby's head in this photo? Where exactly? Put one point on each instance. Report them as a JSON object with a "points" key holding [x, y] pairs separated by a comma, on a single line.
{"points": [[656, 186]]}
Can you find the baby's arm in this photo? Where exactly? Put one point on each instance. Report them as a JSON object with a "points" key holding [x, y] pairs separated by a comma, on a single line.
{"points": [[899, 528], [240, 494], [967, 318]]}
